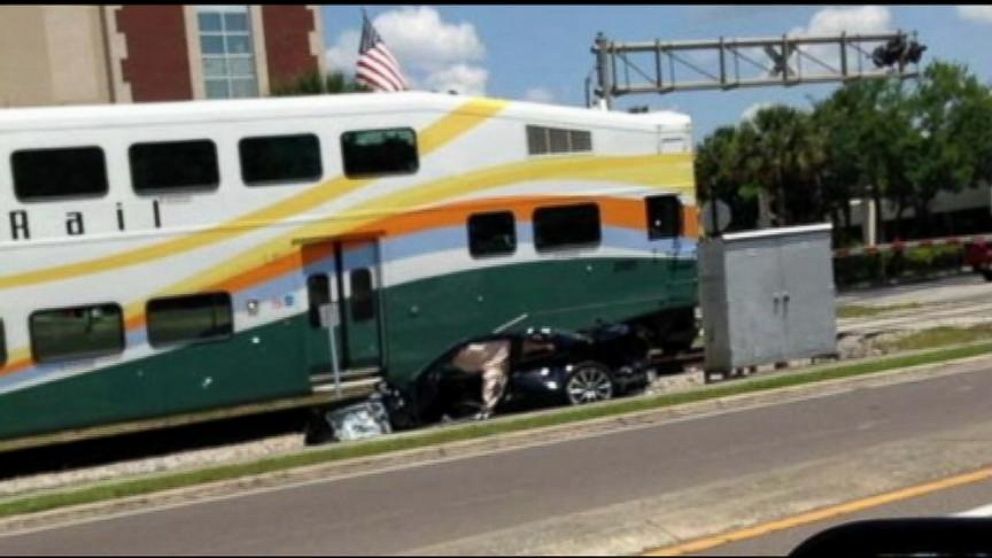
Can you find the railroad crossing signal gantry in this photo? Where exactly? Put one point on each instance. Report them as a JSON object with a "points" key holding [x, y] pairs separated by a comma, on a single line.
{"points": [[666, 67]]}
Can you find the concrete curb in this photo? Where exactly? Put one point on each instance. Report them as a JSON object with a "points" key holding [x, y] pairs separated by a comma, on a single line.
{"points": [[482, 446]]}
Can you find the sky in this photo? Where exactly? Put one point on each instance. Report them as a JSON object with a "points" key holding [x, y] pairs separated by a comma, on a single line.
{"points": [[542, 53]]}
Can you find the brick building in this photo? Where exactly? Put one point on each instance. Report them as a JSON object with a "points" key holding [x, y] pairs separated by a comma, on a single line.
{"points": [[55, 55]]}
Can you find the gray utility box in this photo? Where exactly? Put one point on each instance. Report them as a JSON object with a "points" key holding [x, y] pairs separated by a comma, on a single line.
{"points": [[767, 296]]}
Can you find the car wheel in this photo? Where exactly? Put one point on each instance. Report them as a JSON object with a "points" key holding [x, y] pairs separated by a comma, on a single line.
{"points": [[987, 274], [587, 383]]}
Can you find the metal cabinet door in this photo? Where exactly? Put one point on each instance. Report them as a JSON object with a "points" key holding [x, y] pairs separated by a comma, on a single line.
{"points": [[754, 286], [809, 313]]}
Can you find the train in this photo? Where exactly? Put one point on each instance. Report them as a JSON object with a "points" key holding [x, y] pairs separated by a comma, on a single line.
{"points": [[161, 259]]}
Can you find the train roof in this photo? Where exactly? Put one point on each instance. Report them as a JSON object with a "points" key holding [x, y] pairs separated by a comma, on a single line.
{"points": [[109, 115]]}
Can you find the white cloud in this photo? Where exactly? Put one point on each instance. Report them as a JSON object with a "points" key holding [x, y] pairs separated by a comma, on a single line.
{"points": [[460, 78], [432, 53], [424, 40], [833, 21], [343, 55], [752, 110], [539, 95], [861, 19], [980, 14]]}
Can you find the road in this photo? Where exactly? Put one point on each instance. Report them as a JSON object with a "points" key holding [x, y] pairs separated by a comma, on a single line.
{"points": [[416, 507], [973, 500]]}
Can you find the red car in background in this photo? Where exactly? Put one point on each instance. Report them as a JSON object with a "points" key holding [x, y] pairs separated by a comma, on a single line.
{"points": [[978, 255]]}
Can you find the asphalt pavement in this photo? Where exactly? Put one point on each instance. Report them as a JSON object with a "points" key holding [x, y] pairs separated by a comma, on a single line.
{"points": [[972, 500], [402, 510]]}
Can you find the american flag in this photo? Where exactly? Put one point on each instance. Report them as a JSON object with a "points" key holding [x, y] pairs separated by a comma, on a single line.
{"points": [[377, 68]]}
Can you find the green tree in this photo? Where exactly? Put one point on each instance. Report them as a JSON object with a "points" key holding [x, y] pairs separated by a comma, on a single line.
{"points": [[868, 149], [901, 142], [840, 174], [720, 172], [784, 154], [312, 83], [951, 124]]}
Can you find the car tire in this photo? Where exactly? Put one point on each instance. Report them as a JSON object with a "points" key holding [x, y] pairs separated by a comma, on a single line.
{"points": [[987, 274], [588, 382]]}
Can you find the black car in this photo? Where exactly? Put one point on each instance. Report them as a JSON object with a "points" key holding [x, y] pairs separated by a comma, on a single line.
{"points": [[546, 367]]}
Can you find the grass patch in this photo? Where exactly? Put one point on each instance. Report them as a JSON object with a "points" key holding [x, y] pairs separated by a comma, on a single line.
{"points": [[43, 502], [859, 311], [939, 337]]}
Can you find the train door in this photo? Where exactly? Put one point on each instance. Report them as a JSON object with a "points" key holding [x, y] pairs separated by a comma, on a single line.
{"points": [[361, 314], [343, 279]]}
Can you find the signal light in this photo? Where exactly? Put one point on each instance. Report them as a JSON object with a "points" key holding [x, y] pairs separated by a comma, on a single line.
{"points": [[898, 51]]}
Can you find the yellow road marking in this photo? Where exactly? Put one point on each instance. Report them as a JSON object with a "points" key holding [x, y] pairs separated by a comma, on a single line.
{"points": [[847, 508]]}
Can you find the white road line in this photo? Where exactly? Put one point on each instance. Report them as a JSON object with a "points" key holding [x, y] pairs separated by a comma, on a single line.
{"points": [[983, 511]]}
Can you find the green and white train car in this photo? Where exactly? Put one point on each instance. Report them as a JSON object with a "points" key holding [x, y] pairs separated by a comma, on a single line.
{"points": [[169, 258]]}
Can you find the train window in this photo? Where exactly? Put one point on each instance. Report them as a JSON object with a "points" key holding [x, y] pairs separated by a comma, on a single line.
{"points": [[3, 345], [183, 319], [163, 167], [490, 234], [77, 332], [566, 225], [279, 159], [319, 293], [377, 152], [664, 216], [72, 172], [362, 301]]}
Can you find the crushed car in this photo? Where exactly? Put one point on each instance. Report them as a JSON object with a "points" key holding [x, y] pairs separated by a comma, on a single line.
{"points": [[545, 367]]}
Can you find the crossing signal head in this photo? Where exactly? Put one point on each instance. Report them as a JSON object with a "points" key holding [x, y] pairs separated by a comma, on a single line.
{"points": [[897, 51], [914, 52]]}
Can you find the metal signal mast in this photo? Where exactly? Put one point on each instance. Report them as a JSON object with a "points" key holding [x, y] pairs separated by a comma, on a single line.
{"points": [[732, 63]]}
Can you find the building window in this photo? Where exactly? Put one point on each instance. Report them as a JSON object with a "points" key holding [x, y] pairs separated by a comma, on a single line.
{"points": [[664, 216], [78, 332], [72, 172], [227, 51], [279, 159], [491, 234], [566, 225], [174, 165], [377, 152], [183, 319]]}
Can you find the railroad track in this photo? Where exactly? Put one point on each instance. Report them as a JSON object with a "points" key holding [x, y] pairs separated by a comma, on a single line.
{"points": [[237, 433], [963, 313]]}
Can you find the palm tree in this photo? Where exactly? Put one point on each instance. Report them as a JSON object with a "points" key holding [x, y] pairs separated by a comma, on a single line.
{"points": [[721, 174], [777, 149]]}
